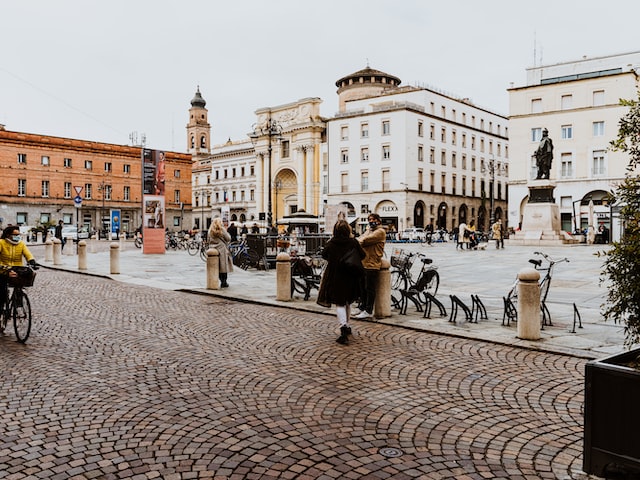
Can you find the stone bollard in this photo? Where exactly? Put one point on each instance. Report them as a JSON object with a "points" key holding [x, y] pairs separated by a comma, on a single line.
{"points": [[114, 256], [382, 307], [48, 251], [38, 237], [82, 255], [57, 251], [92, 244], [283, 277], [528, 304], [213, 269], [68, 250]]}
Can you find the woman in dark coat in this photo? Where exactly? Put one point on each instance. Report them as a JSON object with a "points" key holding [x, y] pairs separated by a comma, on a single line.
{"points": [[340, 283]]}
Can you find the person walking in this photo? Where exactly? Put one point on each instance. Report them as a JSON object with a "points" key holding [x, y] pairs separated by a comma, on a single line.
{"points": [[219, 239], [12, 251], [372, 242], [340, 284], [58, 234], [497, 233], [233, 231], [463, 236]]}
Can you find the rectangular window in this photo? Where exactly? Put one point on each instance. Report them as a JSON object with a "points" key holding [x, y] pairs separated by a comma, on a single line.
{"points": [[22, 187], [233, 173], [87, 191], [344, 133], [107, 192], [453, 137], [45, 188], [386, 152], [464, 140], [176, 220], [252, 195], [21, 218], [22, 158], [241, 171], [432, 182], [108, 166], [88, 164], [285, 149], [454, 160], [566, 102], [176, 173], [598, 166], [344, 155], [67, 189], [598, 98], [443, 157], [420, 153], [536, 134], [536, 105], [364, 154], [386, 127], [420, 129], [67, 163], [567, 132], [443, 183], [598, 129], [126, 168], [566, 165], [432, 132], [45, 160], [386, 186], [432, 155], [364, 130], [464, 161], [443, 135], [453, 184], [344, 182], [252, 170], [420, 180], [364, 181], [127, 193], [176, 196]]}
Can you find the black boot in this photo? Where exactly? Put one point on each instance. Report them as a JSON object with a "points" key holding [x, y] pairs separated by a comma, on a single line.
{"points": [[344, 335], [223, 280]]}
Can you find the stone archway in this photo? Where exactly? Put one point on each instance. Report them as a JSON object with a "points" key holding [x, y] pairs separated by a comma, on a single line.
{"points": [[419, 214], [285, 191]]}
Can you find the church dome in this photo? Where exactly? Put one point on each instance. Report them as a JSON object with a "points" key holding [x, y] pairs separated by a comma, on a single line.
{"points": [[368, 76], [198, 101]]}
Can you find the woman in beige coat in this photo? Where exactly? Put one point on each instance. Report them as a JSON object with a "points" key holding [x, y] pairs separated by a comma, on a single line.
{"points": [[219, 239]]}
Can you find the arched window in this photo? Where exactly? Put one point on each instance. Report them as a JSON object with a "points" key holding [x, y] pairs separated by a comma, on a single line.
{"points": [[193, 141], [203, 142]]}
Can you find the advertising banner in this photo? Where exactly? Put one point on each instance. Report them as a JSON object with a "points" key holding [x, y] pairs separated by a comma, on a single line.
{"points": [[153, 203], [115, 223]]}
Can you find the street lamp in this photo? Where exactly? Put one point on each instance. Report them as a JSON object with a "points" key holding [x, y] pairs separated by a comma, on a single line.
{"points": [[270, 129], [491, 168]]}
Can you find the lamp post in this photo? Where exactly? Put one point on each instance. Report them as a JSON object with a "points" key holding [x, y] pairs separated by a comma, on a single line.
{"points": [[270, 129], [491, 168], [278, 186], [102, 188]]}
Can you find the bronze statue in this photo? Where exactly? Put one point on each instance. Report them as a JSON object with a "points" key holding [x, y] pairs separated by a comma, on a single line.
{"points": [[544, 155]]}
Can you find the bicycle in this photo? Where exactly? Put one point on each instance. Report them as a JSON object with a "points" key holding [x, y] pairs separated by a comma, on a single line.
{"points": [[511, 300], [403, 288], [18, 306], [306, 274], [243, 256]]}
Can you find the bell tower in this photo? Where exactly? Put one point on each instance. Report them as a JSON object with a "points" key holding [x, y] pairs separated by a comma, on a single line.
{"points": [[198, 128]]}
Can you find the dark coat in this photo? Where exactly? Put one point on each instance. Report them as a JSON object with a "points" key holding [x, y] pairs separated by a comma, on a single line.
{"points": [[339, 285]]}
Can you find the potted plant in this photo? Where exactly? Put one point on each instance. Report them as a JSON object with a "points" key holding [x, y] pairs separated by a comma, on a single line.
{"points": [[612, 384]]}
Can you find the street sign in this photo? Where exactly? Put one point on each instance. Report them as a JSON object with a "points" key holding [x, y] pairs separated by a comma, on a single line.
{"points": [[77, 200], [78, 190]]}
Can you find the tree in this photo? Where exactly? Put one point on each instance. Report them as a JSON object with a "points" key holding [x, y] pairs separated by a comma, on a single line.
{"points": [[622, 261]]}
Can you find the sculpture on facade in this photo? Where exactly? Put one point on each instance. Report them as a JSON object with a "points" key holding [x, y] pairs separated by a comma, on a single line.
{"points": [[544, 155]]}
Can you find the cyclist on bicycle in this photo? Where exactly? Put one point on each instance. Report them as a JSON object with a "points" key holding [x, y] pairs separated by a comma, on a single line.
{"points": [[12, 249]]}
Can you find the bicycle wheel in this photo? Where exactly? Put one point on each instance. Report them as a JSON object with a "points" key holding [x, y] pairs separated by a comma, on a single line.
{"points": [[398, 285], [193, 248], [21, 312], [203, 253], [432, 283], [4, 317], [253, 258]]}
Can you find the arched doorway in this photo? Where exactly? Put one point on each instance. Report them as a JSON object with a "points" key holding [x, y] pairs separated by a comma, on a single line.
{"points": [[483, 224], [418, 214], [463, 213], [285, 190], [442, 216]]}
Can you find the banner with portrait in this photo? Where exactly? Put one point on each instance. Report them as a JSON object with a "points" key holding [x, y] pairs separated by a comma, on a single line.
{"points": [[153, 202]]}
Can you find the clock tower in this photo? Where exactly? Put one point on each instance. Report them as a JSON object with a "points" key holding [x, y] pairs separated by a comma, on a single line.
{"points": [[198, 128]]}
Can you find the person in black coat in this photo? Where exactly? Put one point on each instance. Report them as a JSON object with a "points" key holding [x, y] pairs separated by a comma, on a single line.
{"points": [[340, 284]]}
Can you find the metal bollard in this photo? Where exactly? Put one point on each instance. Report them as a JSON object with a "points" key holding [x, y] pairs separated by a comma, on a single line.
{"points": [[283, 277], [82, 255], [48, 251], [57, 251], [528, 304], [213, 269], [382, 307], [114, 257]]}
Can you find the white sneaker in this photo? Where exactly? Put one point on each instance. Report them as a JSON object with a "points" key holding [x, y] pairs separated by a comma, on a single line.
{"points": [[355, 311], [362, 315]]}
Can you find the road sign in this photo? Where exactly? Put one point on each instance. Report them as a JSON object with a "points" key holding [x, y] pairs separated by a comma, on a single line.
{"points": [[77, 200], [78, 190]]}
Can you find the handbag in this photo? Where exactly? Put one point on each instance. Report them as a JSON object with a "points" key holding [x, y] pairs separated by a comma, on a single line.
{"points": [[351, 261]]}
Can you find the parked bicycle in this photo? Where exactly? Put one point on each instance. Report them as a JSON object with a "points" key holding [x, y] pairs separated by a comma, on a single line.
{"points": [[404, 288], [18, 307], [511, 300], [243, 256], [306, 273]]}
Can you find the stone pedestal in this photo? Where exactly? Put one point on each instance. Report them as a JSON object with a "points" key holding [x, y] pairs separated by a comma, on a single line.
{"points": [[541, 218]]}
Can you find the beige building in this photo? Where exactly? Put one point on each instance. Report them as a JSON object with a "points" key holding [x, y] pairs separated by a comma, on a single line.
{"points": [[578, 103]]}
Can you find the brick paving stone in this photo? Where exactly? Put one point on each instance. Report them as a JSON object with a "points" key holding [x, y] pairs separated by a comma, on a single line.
{"points": [[124, 381]]}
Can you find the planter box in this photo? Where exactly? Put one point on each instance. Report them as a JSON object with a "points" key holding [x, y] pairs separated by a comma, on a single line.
{"points": [[612, 417]]}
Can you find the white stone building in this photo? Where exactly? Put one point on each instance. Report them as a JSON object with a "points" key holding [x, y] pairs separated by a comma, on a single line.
{"points": [[416, 156], [578, 102]]}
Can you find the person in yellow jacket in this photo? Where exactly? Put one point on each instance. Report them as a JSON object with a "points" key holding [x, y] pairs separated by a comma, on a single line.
{"points": [[372, 242], [12, 251]]}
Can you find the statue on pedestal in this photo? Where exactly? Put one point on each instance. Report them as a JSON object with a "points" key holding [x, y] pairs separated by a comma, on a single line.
{"points": [[544, 155]]}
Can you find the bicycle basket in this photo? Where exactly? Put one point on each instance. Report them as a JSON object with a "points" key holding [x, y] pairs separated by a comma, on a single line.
{"points": [[25, 277], [401, 259]]}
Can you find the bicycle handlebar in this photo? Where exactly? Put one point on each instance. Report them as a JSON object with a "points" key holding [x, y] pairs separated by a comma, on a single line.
{"points": [[550, 260]]}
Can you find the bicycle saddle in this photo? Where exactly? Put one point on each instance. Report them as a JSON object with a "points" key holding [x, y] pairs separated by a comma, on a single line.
{"points": [[427, 261], [535, 262]]}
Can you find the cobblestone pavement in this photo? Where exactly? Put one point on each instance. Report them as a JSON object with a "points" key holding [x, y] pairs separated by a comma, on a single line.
{"points": [[125, 381]]}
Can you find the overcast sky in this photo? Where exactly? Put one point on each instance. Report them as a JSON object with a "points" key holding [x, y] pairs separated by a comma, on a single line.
{"points": [[99, 70]]}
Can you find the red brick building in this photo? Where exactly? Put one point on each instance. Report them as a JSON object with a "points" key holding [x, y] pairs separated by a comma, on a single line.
{"points": [[39, 176]]}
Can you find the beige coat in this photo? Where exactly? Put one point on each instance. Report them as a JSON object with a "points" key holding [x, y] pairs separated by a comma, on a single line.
{"points": [[372, 242]]}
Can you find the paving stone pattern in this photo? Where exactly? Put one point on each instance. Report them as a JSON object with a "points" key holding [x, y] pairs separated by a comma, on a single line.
{"points": [[125, 381]]}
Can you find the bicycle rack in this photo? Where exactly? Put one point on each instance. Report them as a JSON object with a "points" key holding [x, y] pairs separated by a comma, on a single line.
{"points": [[510, 313], [576, 314], [477, 308], [457, 303], [429, 301]]}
